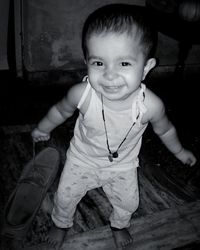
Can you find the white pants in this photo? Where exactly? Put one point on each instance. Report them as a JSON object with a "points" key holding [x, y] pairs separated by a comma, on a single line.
{"points": [[121, 189]]}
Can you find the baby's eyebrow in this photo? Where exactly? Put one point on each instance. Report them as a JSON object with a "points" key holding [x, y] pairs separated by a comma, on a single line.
{"points": [[95, 58], [127, 58]]}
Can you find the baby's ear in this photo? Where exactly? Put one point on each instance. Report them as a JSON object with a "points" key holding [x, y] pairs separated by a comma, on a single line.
{"points": [[150, 64]]}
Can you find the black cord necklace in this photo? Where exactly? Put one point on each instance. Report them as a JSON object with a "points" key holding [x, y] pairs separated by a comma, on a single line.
{"points": [[115, 154]]}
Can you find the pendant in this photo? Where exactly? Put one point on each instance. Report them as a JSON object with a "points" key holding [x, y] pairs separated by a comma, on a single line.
{"points": [[110, 157], [115, 154]]}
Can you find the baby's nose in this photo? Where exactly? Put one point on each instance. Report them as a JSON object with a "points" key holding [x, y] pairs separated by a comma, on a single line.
{"points": [[110, 74]]}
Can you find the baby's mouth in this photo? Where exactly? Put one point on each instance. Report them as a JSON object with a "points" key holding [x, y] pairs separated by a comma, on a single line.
{"points": [[112, 88]]}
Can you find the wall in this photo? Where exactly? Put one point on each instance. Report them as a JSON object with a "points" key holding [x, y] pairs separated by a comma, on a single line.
{"points": [[4, 11], [52, 35], [52, 32]]}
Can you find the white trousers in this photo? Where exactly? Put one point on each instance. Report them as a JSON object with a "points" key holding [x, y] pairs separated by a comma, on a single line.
{"points": [[121, 189]]}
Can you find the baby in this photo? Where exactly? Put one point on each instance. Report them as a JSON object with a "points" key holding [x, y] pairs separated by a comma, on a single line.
{"points": [[115, 108]]}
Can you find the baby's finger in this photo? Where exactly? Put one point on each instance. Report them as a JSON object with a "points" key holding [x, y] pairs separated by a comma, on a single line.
{"points": [[190, 162]]}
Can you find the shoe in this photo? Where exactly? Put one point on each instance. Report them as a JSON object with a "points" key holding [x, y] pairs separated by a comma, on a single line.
{"points": [[32, 186]]}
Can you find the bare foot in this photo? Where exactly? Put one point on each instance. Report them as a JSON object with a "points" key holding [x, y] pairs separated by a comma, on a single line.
{"points": [[122, 237], [56, 237]]}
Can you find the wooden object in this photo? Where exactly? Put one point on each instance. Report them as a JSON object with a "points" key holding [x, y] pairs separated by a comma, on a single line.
{"points": [[163, 230]]}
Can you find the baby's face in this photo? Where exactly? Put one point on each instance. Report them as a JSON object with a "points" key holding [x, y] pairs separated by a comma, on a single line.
{"points": [[115, 64]]}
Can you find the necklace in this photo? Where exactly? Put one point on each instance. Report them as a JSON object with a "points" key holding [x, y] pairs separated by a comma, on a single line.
{"points": [[114, 154]]}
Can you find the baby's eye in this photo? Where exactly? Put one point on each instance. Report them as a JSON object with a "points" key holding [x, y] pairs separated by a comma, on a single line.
{"points": [[124, 64], [97, 63]]}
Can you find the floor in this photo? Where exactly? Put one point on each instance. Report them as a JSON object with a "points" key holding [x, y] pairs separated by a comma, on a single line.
{"points": [[165, 184]]}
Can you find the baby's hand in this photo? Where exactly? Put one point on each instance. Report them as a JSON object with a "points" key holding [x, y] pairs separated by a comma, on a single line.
{"points": [[186, 157], [38, 135]]}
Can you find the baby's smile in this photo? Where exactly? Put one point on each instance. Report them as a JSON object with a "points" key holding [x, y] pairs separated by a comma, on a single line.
{"points": [[112, 88]]}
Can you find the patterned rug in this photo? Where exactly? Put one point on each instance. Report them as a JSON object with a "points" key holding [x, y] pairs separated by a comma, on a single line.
{"points": [[164, 181]]}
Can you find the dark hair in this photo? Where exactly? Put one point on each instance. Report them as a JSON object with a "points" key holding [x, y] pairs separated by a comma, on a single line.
{"points": [[120, 18]]}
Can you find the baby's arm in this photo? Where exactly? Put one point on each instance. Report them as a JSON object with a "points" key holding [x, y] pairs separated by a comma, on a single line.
{"points": [[163, 127], [58, 113]]}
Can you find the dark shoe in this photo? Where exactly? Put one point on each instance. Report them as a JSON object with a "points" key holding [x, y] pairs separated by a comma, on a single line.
{"points": [[24, 202]]}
